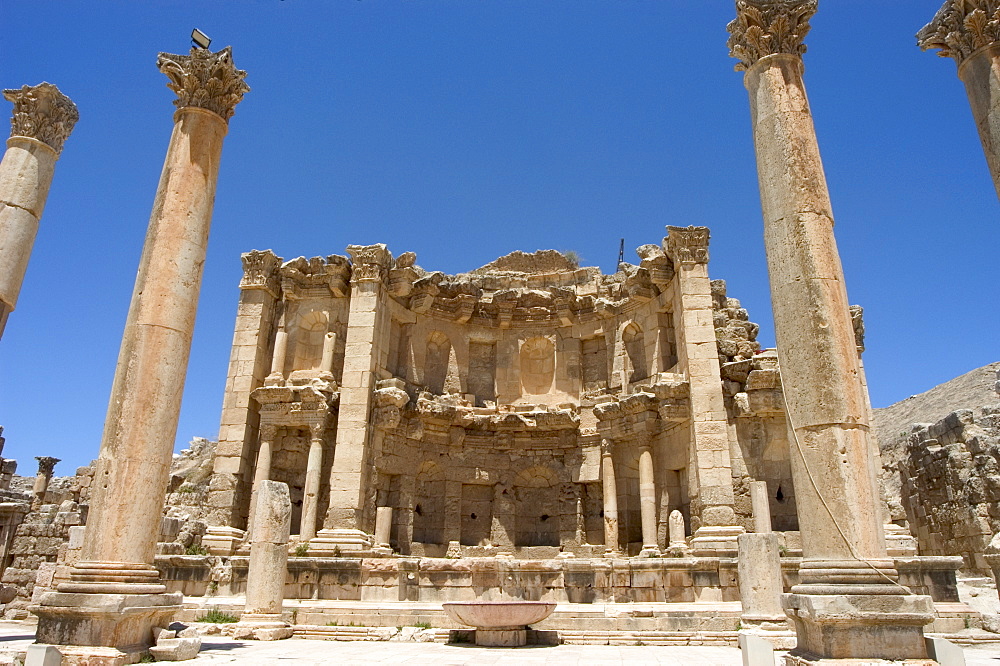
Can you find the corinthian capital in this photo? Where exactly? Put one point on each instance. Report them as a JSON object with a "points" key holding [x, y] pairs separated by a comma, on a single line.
{"points": [[961, 27], [766, 27], [206, 80], [688, 245], [370, 262], [42, 112]]}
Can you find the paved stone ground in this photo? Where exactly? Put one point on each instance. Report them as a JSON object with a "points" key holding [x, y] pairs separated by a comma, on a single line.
{"points": [[221, 650]]}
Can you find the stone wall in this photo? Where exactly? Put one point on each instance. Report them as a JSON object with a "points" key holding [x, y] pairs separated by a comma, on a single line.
{"points": [[949, 478]]}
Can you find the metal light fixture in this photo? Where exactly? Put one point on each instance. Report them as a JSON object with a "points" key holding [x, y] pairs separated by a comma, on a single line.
{"points": [[199, 39]]}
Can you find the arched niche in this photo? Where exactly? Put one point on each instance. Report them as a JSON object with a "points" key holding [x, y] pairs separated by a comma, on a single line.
{"points": [[310, 333]]}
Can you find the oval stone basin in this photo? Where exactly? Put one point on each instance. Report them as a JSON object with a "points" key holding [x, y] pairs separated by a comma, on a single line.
{"points": [[499, 614]]}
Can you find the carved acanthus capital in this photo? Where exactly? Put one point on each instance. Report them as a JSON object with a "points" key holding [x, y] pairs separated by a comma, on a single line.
{"points": [[962, 27], [42, 112], [206, 80], [371, 263], [260, 271], [46, 464], [766, 27], [687, 245]]}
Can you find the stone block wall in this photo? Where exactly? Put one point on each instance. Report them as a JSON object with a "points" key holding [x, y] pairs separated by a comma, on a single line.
{"points": [[950, 485]]}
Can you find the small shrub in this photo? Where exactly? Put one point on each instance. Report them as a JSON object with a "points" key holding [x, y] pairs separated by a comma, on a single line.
{"points": [[302, 550], [421, 625], [215, 616], [147, 659], [196, 549], [185, 488], [782, 550]]}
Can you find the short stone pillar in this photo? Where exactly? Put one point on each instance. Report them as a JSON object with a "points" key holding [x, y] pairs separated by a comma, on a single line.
{"points": [[383, 528], [43, 119], [277, 375], [46, 464], [261, 618], [970, 35], [677, 544], [759, 569], [610, 488], [847, 580], [647, 502], [761, 507], [114, 597]]}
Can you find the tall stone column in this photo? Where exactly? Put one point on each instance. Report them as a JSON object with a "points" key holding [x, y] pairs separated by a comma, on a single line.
{"points": [[647, 499], [842, 607], [610, 497], [116, 566], [262, 467], [310, 494], [346, 527], [45, 466], [43, 119], [713, 517], [969, 32]]}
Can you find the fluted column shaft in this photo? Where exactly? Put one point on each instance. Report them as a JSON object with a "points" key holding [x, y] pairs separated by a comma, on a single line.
{"points": [[43, 119], [136, 450]]}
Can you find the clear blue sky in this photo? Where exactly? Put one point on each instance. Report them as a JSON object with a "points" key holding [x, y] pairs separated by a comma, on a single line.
{"points": [[463, 130]]}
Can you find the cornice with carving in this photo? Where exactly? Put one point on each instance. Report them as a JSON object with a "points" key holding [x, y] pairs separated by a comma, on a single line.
{"points": [[687, 245]]}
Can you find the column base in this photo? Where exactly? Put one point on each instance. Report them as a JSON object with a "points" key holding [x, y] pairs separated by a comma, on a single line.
{"points": [[260, 627], [124, 622], [777, 634], [222, 540], [716, 541], [502, 637], [650, 551], [845, 628], [336, 542]]}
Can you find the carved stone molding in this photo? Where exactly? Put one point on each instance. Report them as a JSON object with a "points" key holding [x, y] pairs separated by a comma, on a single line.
{"points": [[42, 112], [687, 245], [315, 277], [858, 322], [260, 271], [371, 263], [962, 27], [766, 27], [206, 80], [46, 464]]}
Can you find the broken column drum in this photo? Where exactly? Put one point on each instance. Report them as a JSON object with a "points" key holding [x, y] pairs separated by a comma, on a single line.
{"points": [[133, 467], [838, 607]]}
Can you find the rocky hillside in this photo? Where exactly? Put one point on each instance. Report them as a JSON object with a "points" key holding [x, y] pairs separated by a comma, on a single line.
{"points": [[973, 389]]}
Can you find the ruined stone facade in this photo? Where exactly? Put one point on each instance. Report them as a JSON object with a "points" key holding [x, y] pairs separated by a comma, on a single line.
{"points": [[950, 485], [487, 409]]}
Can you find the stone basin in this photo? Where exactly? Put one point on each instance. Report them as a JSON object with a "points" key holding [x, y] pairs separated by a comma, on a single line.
{"points": [[499, 623]]}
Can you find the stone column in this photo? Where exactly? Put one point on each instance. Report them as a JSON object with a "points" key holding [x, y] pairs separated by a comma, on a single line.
{"points": [[134, 462], [969, 32], [277, 375], [262, 468], [647, 500], [310, 494], [43, 119], [383, 526], [329, 347], [345, 527], [761, 506], [839, 607], [610, 497], [713, 518], [45, 467], [261, 618]]}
